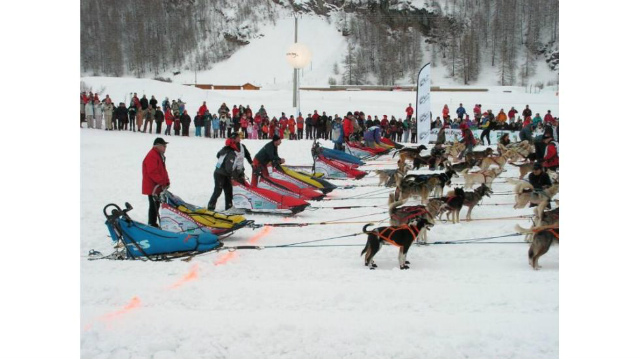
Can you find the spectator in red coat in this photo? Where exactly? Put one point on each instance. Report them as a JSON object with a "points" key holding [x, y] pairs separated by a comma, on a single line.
{"points": [[235, 111], [347, 126], [551, 160], [548, 118], [300, 126], [512, 114], [203, 109], [154, 177], [409, 111], [445, 111]]}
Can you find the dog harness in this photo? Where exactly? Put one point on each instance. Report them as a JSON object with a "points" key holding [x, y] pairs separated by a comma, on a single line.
{"points": [[405, 214], [388, 232], [554, 230]]}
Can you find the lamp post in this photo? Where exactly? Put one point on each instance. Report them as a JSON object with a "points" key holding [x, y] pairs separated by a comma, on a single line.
{"points": [[298, 56]]}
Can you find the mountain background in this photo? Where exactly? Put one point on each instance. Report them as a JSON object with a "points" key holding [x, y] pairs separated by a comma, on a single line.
{"points": [[354, 42]]}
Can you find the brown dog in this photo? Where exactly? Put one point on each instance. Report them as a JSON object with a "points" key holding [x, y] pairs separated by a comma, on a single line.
{"points": [[486, 177]]}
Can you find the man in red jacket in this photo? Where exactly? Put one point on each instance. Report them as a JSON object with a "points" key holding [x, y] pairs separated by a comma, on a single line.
{"points": [[409, 111], [154, 177]]}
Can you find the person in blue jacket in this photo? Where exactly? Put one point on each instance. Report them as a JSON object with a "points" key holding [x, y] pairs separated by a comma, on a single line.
{"points": [[372, 136], [337, 134], [461, 112]]}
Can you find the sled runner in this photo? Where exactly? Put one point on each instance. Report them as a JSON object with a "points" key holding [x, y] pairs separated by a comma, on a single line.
{"points": [[142, 241]]}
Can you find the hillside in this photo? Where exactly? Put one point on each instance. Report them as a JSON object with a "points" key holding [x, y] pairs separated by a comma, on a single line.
{"points": [[353, 41]]}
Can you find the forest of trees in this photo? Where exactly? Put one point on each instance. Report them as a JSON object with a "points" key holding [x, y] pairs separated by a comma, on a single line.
{"points": [[386, 39]]}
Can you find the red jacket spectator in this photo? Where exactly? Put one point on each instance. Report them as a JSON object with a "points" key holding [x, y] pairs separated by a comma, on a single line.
{"points": [[409, 111], [314, 118], [512, 113], [84, 97], [445, 111], [248, 112], [292, 125], [154, 172], [258, 120], [202, 109], [384, 123], [96, 98], [551, 158], [244, 122], [136, 101], [347, 127], [477, 110], [235, 111], [168, 117], [548, 118], [300, 122]]}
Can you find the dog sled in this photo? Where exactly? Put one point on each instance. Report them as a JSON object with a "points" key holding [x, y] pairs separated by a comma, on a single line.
{"points": [[136, 240], [301, 179], [260, 200], [361, 151], [288, 189], [335, 155], [332, 168], [179, 216]]}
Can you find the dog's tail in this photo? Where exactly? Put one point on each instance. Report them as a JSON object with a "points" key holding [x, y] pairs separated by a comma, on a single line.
{"points": [[393, 204], [364, 229]]}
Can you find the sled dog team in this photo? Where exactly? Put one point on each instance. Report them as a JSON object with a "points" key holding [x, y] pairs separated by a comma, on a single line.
{"points": [[411, 223]]}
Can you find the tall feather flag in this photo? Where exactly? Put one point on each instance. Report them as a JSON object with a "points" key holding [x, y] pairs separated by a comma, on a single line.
{"points": [[423, 104]]}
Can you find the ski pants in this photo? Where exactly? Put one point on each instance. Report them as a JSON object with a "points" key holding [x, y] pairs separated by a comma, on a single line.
{"points": [[221, 183]]}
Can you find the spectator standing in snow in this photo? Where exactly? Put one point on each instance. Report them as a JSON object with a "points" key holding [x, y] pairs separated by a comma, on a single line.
{"points": [[133, 115], [108, 115], [148, 119], [409, 111], [198, 121], [215, 126], [185, 122], [153, 103], [154, 177], [526, 113], [88, 110], [207, 124], [159, 117], [337, 134], [461, 112], [308, 122], [121, 115], [512, 115], [168, 119], [97, 114]]}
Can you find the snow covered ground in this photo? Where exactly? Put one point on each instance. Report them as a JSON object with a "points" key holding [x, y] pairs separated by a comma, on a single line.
{"points": [[478, 300]]}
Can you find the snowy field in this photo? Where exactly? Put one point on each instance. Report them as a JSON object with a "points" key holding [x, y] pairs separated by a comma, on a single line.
{"points": [[477, 300]]}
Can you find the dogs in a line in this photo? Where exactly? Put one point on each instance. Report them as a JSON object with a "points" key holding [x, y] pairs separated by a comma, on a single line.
{"points": [[453, 204], [524, 193], [500, 161], [422, 185], [389, 178], [409, 153], [471, 199], [435, 160], [524, 168], [409, 214], [459, 166], [486, 176], [480, 155], [401, 236], [543, 238]]}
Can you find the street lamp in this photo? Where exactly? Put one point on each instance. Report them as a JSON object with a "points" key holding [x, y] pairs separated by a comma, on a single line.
{"points": [[298, 56]]}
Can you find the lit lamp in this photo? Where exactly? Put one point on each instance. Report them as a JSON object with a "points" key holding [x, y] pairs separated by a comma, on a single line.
{"points": [[298, 56]]}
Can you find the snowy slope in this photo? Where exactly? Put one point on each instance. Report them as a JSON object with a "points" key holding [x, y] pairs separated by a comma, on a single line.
{"points": [[477, 300]]}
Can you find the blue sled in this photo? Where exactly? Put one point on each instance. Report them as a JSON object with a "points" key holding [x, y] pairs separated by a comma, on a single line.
{"points": [[141, 240]]}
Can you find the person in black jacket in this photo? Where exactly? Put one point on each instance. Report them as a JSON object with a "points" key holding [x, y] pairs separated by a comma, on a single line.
{"points": [[540, 180], [268, 154], [223, 174], [185, 121], [121, 114], [159, 117]]}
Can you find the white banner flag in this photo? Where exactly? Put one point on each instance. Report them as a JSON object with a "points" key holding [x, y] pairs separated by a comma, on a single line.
{"points": [[423, 104]]}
